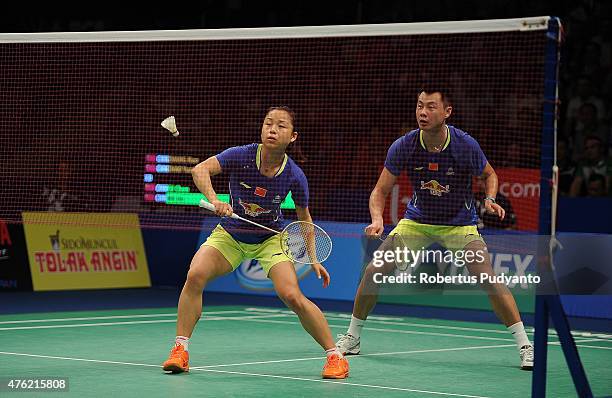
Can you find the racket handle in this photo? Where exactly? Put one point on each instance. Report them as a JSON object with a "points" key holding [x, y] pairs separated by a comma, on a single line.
{"points": [[210, 207]]}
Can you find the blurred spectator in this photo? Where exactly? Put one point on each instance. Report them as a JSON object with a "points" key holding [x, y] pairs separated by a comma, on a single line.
{"points": [[604, 39], [584, 93], [585, 125], [512, 156], [567, 167], [596, 185], [591, 63], [594, 161], [60, 195], [606, 89]]}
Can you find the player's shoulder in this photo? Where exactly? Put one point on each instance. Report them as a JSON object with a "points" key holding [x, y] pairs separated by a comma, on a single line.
{"points": [[410, 136], [406, 140], [248, 148], [241, 150], [461, 137], [295, 170]]}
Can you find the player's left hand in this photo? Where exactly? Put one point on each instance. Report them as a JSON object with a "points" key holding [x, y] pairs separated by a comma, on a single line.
{"points": [[494, 208], [321, 272]]}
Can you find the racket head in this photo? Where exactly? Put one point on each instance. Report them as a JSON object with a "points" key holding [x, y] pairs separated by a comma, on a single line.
{"points": [[398, 241], [294, 242]]}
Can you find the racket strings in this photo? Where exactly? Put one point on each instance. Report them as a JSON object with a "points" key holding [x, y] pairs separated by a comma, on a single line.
{"points": [[306, 243]]}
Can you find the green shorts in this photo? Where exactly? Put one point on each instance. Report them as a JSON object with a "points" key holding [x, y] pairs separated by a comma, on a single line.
{"points": [[268, 252], [451, 237]]}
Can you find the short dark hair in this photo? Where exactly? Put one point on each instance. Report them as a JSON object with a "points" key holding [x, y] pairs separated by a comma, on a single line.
{"points": [[289, 111], [444, 93]]}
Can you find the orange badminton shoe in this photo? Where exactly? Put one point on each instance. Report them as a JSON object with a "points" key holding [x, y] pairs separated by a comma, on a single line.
{"points": [[336, 367], [178, 361]]}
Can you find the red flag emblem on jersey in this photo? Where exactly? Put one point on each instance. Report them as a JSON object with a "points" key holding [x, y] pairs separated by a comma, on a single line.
{"points": [[261, 192], [433, 167]]}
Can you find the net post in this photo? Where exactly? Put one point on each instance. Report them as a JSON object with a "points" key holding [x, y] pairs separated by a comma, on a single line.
{"points": [[548, 302]]}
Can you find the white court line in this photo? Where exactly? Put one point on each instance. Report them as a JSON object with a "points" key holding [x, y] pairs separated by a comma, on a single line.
{"points": [[409, 332], [244, 374], [402, 322], [80, 325], [342, 382], [271, 314], [116, 317], [372, 319], [593, 346], [358, 356], [76, 359], [579, 344], [336, 314], [393, 330]]}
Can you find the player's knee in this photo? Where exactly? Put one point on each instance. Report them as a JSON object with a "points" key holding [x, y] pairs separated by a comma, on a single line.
{"points": [[196, 279], [370, 272], [292, 298]]}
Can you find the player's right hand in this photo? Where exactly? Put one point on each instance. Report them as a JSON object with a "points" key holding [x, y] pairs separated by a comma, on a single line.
{"points": [[222, 209], [375, 229]]}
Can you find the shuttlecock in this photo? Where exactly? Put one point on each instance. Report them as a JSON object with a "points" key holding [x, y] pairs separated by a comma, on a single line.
{"points": [[169, 124]]}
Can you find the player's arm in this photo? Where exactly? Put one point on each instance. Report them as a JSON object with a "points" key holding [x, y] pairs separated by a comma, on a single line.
{"points": [[377, 202], [491, 184], [201, 174], [303, 214]]}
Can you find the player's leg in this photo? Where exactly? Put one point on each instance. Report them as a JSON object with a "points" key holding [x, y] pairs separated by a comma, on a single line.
{"points": [[502, 301], [367, 292], [312, 319], [365, 301], [501, 298], [209, 262], [405, 233]]}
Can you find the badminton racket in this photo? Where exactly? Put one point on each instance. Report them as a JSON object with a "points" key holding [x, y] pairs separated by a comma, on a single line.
{"points": [[301, 241]]}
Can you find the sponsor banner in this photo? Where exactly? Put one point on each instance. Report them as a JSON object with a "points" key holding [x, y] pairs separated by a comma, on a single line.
{"points": [[521, 187], [85, 251], [14, 270]]}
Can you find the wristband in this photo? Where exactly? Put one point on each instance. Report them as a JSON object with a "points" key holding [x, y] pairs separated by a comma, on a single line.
{"points": [[490, 198]]}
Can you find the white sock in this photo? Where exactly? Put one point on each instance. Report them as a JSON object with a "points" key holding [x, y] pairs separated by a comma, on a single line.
{"points": [[182, 340], [333, 351], [518, 332], [355, 326]]}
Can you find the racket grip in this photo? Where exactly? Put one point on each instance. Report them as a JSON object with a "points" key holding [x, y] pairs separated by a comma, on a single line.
{"points": [[207, 205], [210, 207]]}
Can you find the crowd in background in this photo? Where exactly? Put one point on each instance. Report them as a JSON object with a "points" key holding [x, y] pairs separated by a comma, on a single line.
{"points": [[585, 128], [585, 90]]}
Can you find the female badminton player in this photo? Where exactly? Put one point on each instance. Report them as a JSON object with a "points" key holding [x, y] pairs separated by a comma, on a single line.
{"points": [[261, 176]]}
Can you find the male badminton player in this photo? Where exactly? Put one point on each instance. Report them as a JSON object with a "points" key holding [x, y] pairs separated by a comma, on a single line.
{"points": [[261, 176], [440, 160]]}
